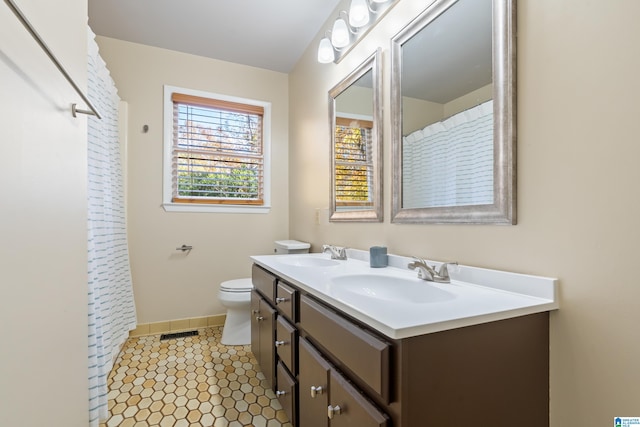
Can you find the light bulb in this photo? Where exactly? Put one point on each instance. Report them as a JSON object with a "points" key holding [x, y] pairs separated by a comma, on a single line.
{"points": [[340, 34], [325, 51], [359, 13]]}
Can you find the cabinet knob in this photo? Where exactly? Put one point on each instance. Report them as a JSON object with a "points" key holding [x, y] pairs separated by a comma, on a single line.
{"points": [[316, 390], [280, 393], [259, 318], [333, 411], [279, 343], [255, 311], [279, 300]]}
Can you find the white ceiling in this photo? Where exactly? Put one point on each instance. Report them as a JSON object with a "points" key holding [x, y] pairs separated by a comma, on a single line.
{"points": [[270, 34]]}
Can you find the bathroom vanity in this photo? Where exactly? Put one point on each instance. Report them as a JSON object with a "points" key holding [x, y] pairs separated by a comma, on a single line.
{"points": [[339, 351]]}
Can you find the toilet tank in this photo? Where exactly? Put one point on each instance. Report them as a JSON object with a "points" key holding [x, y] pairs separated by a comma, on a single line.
{"points": [[291, 247]]}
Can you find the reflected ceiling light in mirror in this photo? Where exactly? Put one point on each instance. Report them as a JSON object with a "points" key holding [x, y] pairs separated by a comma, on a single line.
{"points": [[361, 17]]}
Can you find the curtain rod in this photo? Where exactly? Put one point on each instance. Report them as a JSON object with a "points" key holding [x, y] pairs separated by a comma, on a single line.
{"points": [[16, 11]]}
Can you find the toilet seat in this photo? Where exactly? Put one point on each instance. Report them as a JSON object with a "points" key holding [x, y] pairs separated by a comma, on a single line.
{"points": [[237, 285]]}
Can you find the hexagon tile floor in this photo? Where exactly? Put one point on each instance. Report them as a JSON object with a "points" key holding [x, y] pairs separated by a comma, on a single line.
{"points": [[187, 382]]}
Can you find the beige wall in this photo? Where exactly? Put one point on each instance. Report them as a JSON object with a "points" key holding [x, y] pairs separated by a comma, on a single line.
{"points": [[43, 226], [418, 113], [578, 205], [170, 285], [468, 100]]}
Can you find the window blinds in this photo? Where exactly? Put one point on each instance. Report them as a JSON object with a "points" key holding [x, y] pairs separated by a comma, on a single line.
{"points": [[217, 154], [353, 163]]}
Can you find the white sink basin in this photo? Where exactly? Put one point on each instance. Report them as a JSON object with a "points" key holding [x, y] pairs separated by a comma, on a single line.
{"points": [[306, 261], [387, 288]]}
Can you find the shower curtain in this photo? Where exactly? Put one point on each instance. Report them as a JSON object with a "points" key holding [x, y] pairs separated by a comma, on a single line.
{"points": [[111, 306], [450, 163]]}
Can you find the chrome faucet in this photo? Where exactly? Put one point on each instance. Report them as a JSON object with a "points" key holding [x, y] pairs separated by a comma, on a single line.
{"points": [[426, 272], [337, 252]]}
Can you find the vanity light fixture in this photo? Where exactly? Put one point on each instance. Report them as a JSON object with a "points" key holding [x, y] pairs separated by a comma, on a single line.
{"points": [[359, 13], [340, 34], [350, 26], [326, 54]]}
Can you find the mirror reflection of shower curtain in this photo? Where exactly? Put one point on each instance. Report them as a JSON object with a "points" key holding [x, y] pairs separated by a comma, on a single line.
{"points": [[450, 163], [110, 294]]}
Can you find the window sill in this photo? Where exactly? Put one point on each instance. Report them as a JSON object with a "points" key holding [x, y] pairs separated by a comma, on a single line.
{"points": [[204, 208]]}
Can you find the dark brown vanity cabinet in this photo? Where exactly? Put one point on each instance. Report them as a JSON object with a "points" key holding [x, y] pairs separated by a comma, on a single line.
{"points": [[274, 337], [331, 370]]}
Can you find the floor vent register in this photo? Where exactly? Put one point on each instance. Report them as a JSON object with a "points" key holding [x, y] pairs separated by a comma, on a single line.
{"points": [[178, 335]]}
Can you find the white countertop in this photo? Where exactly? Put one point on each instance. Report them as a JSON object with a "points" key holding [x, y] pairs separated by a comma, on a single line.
{"points": [[474, 296]]}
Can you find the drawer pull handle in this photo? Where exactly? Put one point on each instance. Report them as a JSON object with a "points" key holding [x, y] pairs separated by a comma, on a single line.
{"points": [[259, 318], [279, 343], [316, 391], [279, 300], [333, 410], [280, 393]]}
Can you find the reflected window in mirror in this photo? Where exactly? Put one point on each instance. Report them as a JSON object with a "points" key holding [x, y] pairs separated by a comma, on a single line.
{"points": [[353, 173], [356, 154], [453, 114]]}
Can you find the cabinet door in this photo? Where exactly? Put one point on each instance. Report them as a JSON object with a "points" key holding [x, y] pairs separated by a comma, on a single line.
{"points": [[267, 331], [263, 319], [348, 408], [313, 382]]}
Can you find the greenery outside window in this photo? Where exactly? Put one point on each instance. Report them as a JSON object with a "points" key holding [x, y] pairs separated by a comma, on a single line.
{"points": [[216, 152]]}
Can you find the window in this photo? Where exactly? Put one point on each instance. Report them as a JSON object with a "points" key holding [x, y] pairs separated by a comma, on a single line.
{"points": [[353, 163], [216, 152]]}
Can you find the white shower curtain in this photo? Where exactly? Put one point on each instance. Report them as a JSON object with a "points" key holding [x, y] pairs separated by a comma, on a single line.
{"points": [[450, 163], [111, 306]]}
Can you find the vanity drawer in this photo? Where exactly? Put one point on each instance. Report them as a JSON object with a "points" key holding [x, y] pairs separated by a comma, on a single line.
{"points": [[264, 282], [286, 391], [286, 300], [286, 335], [357, 350]]}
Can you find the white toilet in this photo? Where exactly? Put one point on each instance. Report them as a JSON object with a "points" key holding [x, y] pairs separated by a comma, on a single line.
{"points": [[235, 296]]}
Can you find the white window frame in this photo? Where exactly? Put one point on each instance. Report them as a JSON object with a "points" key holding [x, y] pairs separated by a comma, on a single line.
{"points": [[167, 202]]}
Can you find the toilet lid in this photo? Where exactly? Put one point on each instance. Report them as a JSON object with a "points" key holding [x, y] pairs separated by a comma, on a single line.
{"points": [[237, 285]]}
